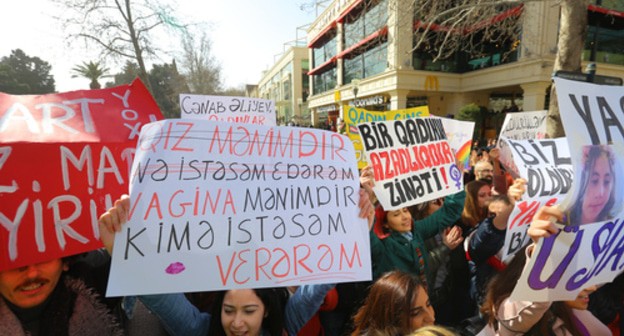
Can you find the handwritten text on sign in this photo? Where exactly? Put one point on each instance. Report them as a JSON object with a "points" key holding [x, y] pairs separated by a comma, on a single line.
{"points": [[63, 159], [547, 167], [355, 116], [412, 161], [242, 110], [520, 126], [575, 258], [220, 205]]}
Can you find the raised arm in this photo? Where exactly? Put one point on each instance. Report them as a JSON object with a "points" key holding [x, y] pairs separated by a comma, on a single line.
{"points": [[177, 314], [446, 216], [303, 304]]}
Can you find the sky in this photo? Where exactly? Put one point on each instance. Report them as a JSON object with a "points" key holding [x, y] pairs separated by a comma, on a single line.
{"points": [[246, 36]]}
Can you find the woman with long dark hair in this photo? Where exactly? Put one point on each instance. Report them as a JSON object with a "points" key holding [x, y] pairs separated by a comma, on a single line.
{"points": [[397, 304]]}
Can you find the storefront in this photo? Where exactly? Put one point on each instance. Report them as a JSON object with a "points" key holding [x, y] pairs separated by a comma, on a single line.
{"points": [[372, 103]]}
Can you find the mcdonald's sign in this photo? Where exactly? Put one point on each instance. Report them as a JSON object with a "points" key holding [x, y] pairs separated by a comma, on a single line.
{"points": [[432, 83]]}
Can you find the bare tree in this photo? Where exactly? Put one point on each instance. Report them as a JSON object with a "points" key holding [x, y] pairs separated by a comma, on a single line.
{"points": [[572, 32], [447, 26], [119, 28], [466, 24], [202, 71]]}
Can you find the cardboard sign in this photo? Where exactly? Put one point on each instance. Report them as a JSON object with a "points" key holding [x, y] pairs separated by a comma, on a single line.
{"points": [[459, 136], [587, 251], [412, 161], [220, 205], [243, 110], [520, 126], [354, 116], [547, 168], [64, 158]]}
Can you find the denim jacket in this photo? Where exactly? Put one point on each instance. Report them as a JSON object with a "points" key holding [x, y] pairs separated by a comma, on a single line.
{"points": [[180, 317]]}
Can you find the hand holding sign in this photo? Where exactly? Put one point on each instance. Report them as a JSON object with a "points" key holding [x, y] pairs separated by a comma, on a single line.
{"points": [[543, 225], [517, 189], [111, 221]]}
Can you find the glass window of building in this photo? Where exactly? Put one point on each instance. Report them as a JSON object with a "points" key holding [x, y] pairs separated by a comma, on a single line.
{"points": [[364, 20], [325, 80], [324, 49], [473, 47], [305, 80], [605, 34]]}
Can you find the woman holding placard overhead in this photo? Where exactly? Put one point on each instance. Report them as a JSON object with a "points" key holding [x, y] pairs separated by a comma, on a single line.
{"points": [[252, 312], [398, 241]]}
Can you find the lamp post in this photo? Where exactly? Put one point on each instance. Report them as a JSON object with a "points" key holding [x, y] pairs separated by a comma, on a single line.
{"points": [[355, 87]]}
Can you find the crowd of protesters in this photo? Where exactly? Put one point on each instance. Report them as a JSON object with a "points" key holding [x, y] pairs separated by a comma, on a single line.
{"points": [[436, 271]]}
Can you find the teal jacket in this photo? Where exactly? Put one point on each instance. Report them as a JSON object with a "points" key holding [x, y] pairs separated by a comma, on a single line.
{"points": [[397, 252]]}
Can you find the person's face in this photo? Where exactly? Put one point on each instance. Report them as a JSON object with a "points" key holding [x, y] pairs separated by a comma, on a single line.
{"points": [[598, 190], [31, 285], [484, 196], [582, 300], [242, 313], [399, 220], [484, 171], [421, 312]]}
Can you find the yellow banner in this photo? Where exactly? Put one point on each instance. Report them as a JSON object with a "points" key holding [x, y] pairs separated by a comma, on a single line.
{"points": [[355, 115]]}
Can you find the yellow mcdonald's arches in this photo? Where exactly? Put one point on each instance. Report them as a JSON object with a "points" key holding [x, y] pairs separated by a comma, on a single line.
{"points": [[336, 96], [432, 83]]}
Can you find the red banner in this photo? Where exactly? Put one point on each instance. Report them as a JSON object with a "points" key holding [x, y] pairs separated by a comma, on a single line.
{"points": [[64, 158]]}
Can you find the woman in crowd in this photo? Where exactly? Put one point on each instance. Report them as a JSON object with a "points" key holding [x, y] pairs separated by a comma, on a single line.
{"points": [[597, 188], [451, 278], [397, 304], [486, 241], [508, 317], [478, 196], [398, 241], [249, 312], [252, 312]]}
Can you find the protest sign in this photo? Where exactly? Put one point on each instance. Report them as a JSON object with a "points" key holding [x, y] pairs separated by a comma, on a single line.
{"points": [[354, 116], [64, 158], [520, 126], [593, 120], [219, 205], [575, 258], [243, 110], [547, 168], [459, 136], [412, 161]]}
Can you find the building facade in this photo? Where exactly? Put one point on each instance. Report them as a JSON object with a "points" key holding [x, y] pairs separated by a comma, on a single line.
{"points": [[361, 53], [287, 83]]}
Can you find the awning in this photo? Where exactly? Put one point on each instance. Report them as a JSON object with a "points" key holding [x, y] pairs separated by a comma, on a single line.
{"points": [[320, 35], [318, 68], [348, 10], [381, 32]]}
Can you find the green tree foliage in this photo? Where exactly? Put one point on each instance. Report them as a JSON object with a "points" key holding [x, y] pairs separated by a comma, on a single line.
{"points": [[129, 72], [92, 71], [23, 74], [167, 84], [476, 113]]}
